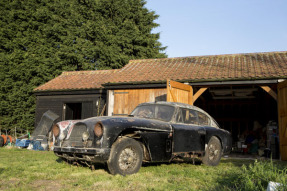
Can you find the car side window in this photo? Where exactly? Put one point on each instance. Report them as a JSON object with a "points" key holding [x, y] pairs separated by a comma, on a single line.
{"points": [[188, 116], [179, 117], [203, 119]]}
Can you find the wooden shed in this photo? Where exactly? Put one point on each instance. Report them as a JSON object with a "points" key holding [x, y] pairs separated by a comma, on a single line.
{"points": [[73, 95], [245, 93]]}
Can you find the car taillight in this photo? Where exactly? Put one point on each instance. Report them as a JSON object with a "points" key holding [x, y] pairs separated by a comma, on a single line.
{"points": [[56, 130], [98, 129]]}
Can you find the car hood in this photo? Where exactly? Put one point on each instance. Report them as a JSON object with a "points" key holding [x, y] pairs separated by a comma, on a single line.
{"points": [[131, 122]]}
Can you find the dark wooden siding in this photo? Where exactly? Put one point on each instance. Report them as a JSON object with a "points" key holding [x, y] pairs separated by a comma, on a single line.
{"points": [[92, 105]]}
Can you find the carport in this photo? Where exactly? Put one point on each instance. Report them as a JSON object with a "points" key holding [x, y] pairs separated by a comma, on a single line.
{"points": [[242, 92], [249, 110]]}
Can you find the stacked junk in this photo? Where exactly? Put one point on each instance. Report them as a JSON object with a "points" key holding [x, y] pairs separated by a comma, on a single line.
{"points": [[41, 138]]}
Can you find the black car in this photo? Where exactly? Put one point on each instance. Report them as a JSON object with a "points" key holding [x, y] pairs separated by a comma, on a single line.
{"points": [[153, 132]]}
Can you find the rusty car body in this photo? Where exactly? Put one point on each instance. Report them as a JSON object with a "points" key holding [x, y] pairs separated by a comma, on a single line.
{"points": [[154, 132]]}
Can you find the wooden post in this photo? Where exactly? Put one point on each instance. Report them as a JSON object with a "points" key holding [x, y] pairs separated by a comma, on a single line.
{"points": [[282, 118]]}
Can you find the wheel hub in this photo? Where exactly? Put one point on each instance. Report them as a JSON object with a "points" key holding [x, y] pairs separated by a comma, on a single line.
{"points": [[213, 152], [127, 159]]}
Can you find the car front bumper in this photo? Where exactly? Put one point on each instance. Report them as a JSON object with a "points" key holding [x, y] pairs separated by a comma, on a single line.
{"points": [[84, 154]]}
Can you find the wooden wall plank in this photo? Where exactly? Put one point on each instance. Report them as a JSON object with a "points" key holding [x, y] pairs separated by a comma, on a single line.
{"points": [[124, 103]]}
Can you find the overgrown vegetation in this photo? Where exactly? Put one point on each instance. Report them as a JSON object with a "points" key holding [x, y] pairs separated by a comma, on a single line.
{"points": [[40, 39], [256, 176], [36, 170]]}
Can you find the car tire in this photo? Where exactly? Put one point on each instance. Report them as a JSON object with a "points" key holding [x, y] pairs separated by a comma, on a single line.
{"points": [[1, 141], [213, 152], [126, 157]]}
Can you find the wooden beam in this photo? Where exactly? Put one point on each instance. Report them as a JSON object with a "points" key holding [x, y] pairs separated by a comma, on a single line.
{"points": [[198, 93], [190, 96], [269, 91], [179, 85]]}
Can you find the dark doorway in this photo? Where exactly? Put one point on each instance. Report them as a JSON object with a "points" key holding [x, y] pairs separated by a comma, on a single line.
{"points": [[72, 111], [248, 112]]}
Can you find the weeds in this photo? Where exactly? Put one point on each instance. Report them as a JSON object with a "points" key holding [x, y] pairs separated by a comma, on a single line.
{"points": [[256, 176]]}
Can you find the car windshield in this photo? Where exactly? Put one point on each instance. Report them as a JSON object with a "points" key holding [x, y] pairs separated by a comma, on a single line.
{"points": [[154, 111]]}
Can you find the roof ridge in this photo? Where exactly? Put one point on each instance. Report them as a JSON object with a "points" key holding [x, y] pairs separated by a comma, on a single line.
{"points": [[89, 72], [212, 55]]}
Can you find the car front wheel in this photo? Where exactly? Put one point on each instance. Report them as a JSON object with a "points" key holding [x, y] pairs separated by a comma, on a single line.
{"points": [[212, 152], [126, 157]]}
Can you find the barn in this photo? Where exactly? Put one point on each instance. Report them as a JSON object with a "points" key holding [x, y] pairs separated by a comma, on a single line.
{"points": [[245, 93]]}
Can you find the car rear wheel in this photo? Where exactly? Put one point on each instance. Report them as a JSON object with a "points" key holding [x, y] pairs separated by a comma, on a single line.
{"points": [[212, 152], [126, 157]]}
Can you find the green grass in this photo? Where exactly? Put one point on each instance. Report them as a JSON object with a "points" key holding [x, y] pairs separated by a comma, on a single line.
{"points": [[22, 169]]}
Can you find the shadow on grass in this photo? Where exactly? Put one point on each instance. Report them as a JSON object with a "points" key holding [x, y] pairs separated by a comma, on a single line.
{"points": [[84, 164], [2, 170], [150, 164]]}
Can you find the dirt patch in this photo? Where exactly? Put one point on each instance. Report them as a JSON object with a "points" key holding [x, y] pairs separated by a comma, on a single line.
{"points": [[47, 185], [7, 184]]}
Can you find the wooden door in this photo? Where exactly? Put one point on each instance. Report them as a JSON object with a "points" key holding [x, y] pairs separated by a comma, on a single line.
{"points": [[179, 92], [282, 115]]}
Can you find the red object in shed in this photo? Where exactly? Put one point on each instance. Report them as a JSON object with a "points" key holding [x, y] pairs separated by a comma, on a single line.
{"points": [[5, 139], [10, 138]]}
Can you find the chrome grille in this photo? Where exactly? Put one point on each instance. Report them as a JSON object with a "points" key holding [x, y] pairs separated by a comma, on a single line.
{"points": [[75, 138]]}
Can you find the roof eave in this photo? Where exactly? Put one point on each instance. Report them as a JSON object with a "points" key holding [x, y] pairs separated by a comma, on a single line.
{"points": [[197, 81]]}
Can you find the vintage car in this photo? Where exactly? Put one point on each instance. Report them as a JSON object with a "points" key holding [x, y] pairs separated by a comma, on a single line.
{"points": [[153, 132]]}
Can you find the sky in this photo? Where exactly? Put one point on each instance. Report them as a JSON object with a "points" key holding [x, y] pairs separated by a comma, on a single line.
{"points": [[212, 27]]}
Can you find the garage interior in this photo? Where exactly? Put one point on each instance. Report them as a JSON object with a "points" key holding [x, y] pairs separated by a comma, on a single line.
{"points": [[249, 113]]}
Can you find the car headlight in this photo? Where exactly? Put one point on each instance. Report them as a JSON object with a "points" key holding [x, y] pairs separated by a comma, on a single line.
{"points": [[56, 130], [85, 136], [98, 129]]}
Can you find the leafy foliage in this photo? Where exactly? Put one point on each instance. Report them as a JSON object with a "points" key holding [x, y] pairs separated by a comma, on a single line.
{"points": [[40, 39]]}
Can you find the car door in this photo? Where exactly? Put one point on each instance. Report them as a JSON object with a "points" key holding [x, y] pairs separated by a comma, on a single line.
{"points": [[188, 135]]}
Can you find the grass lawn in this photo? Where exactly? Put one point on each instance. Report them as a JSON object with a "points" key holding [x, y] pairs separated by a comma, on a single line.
{"points": [[21, 169]]}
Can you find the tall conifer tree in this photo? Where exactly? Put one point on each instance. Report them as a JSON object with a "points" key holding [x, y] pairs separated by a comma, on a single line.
{"points": [[41, 38]]}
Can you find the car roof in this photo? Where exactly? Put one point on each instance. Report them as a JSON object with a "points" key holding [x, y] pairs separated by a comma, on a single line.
{"points": [[176, 104], [182, 105]]}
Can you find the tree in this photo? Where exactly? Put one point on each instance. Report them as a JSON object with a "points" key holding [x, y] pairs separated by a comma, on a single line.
{"points": [[41, 38]]}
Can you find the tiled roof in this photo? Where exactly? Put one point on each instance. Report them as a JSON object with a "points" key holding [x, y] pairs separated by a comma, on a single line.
{"points": [[269, 65], [78, 80]]}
